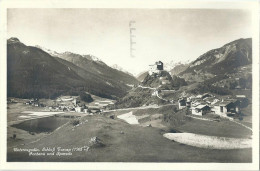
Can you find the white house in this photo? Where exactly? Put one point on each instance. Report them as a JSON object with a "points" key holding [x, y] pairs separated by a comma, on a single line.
{"points": [[155, 93], [85, 110], [78, 109]]}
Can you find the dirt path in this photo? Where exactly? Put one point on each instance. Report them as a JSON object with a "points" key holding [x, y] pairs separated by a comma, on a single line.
{"points": [[242, 125], [157, 94]]}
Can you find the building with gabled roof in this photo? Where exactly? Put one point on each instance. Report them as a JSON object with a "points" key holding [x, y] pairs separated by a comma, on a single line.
{"points": [[200, 110], [226, 107], [182, 103]]}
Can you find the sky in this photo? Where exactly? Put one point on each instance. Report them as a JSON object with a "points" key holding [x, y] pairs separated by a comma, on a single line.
{"points": [[176, 35]]}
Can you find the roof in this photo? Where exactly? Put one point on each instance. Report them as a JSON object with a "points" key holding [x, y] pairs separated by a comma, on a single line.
{"points": [[94, 107], [201, 106], [181, 100], [225, 102], [206, 94], [211, 100], [199, 96], [78, 107]]}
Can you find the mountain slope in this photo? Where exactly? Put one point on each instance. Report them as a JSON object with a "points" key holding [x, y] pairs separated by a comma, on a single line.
{"points": [[223, 60], [96, 66], [31, 72], [179, 68], [96, 84], [222, 70], [140, 77]]}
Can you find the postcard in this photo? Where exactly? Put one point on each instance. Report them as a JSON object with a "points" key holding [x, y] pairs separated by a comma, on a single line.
{"points": [[135, 85]]}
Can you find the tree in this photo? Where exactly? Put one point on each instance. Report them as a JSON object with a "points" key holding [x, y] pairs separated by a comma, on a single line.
{"points": [[85, 97]]}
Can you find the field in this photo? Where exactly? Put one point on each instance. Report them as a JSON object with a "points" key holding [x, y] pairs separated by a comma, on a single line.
{"points": [[99, 138]]}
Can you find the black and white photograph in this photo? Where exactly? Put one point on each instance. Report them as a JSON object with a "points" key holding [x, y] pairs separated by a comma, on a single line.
{"points": [[131, 85]]}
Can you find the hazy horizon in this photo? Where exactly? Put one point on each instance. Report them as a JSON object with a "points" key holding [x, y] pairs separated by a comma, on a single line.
{"points": [[161, 34]]}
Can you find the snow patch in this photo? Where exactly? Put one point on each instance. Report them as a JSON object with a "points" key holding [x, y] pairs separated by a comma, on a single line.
{"points": [[129, 118], [210, 142]]}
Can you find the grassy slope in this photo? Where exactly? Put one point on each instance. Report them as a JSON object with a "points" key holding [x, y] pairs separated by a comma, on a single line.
{"points": [[224, 128], [137, 144], [180, 122]]}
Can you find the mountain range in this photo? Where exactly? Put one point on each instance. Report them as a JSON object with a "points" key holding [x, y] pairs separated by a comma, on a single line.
{"points": [[223, 60], [37, 72]]}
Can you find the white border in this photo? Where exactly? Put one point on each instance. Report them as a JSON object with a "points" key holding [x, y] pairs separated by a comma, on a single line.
{"points": [[221, 4]]}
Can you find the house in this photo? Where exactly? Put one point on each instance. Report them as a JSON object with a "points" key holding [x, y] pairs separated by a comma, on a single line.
{"points": [[199, 96], [164, 80], [28, 103], [155, 93], [156, 68], [182, 103], [72, 109], [205, 95], [197, 102], [78, 109], [243, 100], [226, 108], [211, 100], [200, 110], [94, 109], [188, 103], [75, 102], [85, 110]]}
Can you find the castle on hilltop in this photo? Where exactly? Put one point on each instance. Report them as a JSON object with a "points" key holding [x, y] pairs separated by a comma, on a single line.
{"points": [[156, 68]]}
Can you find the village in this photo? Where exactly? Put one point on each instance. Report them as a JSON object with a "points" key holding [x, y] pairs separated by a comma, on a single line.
{"points": [[228, 106], [199, 105], [72, 104]]}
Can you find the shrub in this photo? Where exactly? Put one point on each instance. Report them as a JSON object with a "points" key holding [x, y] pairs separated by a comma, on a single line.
{"points": [[75, 122]]}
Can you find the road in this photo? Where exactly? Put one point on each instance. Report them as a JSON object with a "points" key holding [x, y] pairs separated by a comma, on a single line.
{"points": [[156, 91], [142, 107]]}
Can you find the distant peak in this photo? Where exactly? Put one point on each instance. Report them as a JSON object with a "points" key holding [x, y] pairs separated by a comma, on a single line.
{"points": [[13, 39], [67, 52]]}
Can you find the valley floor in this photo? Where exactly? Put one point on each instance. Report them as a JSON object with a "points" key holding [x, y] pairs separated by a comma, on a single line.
{"points": [[100, 138]]}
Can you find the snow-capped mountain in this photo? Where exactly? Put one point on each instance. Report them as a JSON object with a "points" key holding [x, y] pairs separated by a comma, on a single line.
{"points": [[119, 68], [168, 66]]}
